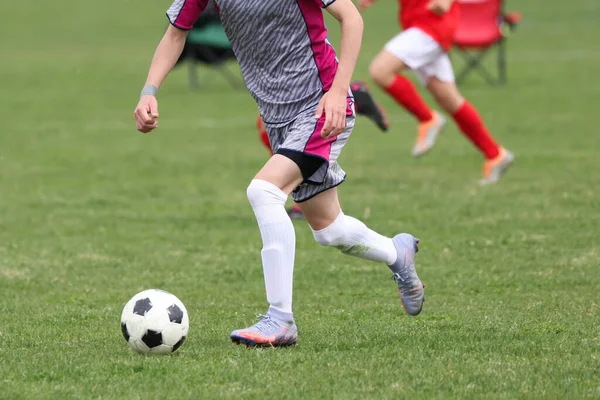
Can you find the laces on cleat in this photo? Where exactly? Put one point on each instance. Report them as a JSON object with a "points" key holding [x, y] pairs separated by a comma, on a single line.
{"points": [[266, 323]]}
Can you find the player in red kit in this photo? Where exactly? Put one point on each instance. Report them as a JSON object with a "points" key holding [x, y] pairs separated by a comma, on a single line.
{"points": [[422, 46]]}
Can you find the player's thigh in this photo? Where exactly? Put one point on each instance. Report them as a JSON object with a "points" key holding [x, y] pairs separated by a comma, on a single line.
{"points": [[281, 172], [384, 67], [322, 210]]}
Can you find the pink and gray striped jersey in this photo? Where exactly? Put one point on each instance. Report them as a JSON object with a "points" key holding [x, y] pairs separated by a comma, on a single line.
{"points": [[281, 46]]}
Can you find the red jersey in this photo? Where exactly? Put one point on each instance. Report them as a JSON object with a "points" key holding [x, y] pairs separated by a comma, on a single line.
{"points": [[414, 14]]}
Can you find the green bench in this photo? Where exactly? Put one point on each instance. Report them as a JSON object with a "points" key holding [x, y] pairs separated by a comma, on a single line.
{"points": [[208, 44]]}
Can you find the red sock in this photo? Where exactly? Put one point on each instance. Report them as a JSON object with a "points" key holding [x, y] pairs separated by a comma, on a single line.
{"points": [[262, 132], [468, 120], [405, 94]]}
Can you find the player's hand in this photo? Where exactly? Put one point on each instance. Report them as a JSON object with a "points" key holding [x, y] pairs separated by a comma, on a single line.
{"points": [[333, 105], [364, 4], [146, 114], [439, 7]]}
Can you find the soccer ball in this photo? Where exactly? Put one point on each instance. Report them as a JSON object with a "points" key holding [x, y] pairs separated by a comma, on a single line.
{"points": [[155, 321]]}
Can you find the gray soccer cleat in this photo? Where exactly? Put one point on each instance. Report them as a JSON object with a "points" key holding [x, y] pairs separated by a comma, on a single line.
{"points": [[268, 332], [412, 291]]}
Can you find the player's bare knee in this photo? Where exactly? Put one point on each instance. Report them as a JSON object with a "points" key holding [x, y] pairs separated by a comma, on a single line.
{"points": [[374, 71], [380, 74]]}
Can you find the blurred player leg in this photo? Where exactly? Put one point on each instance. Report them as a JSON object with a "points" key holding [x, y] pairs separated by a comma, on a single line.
{"points": [[366, 105], [331, 227], [442, 86], [262, 133], [402, 52], [294, 212]]}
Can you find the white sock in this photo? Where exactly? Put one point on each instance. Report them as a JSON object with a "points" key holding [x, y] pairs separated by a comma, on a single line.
{"points": [[354, 238], [279, 242]]}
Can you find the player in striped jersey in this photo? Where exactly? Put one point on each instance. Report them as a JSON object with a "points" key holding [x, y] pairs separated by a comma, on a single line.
{"points": [[303, 95]]}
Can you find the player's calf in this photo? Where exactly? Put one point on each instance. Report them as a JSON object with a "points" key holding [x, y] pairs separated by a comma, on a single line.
{"points": [[446, 95]]}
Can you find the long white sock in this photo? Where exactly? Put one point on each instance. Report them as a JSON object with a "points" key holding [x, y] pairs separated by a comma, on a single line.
{"points": [[354, 238], [279, 242]]}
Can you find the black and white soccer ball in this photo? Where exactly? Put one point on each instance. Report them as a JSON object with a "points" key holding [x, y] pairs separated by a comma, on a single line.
{"points": [[155, 321]]}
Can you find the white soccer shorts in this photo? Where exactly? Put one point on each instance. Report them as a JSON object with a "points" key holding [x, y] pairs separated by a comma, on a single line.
{"points": [[421, 53]]}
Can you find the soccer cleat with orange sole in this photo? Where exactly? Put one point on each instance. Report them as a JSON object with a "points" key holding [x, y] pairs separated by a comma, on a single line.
{"points": [[494, 168], [428, 133], [268, 332]]}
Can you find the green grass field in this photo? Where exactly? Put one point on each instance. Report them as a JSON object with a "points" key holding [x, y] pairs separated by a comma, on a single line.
{"points": [[91, 212]]}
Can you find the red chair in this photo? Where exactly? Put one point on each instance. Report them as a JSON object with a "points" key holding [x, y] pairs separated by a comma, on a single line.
{"points": [[480, 29]]}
